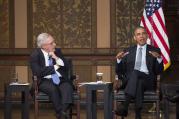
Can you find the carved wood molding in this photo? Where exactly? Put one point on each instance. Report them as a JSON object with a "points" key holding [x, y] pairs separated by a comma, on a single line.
{"points": [[7, 24], [71, 23], [20, 56], [125, 16]]}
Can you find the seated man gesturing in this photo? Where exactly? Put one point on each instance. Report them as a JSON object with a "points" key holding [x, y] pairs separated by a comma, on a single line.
{"points": [[139, 66]]}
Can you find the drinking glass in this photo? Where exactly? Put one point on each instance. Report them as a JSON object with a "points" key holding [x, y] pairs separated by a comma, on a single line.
{"points": [[99, 77]]}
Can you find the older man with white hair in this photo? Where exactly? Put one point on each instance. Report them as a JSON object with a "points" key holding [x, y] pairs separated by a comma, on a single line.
{"points": [[50, 66]]}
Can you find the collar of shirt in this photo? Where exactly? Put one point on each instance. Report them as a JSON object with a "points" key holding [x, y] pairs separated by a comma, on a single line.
{"points": [[46, 56], [47, 63], [143, 65], [143, 47]]}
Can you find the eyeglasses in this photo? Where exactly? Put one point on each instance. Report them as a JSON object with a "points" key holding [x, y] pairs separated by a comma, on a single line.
{"points": [[51, 43]]}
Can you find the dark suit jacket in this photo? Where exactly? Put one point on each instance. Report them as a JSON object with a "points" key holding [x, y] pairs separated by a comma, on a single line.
{"points": [[37, 63], [126, 66]]}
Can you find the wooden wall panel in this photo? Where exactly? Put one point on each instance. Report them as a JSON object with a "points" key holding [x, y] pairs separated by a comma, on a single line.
{"points": [[71, 23], [6, 24], [125, 16], [6, 76]]}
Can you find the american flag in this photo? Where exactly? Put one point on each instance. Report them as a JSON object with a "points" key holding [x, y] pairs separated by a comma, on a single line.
{"points": [[154, 22]]}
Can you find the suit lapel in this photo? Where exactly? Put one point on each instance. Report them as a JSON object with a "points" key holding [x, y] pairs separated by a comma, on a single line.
{"points": [[148, 56], [133, 54], [42, 58]]}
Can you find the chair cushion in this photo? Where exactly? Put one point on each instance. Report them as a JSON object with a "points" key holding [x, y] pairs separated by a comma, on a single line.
{"points": [[76, 96], [42, 97], [149, 96], [45, 98]]}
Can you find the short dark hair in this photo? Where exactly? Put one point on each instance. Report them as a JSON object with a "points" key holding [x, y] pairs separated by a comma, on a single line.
{"points": [[138, 27]]}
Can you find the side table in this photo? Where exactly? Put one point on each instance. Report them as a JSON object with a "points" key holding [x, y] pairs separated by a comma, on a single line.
{"points": [[16, 87], [91, 90]]}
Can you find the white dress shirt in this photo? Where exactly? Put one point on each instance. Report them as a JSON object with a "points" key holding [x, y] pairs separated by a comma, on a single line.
{"points": [[143, 67], [59, 63]]}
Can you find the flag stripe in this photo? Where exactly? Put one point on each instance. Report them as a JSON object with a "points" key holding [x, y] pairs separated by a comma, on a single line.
{"points": [[162, 24], [156, 44], [154, 22], [164, 57], [161, 20], [156, 30], [159, 44], [160, 15]]}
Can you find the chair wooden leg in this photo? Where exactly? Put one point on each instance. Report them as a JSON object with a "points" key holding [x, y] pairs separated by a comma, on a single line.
{"points": [[70, 113], [36, 109], [157, 110], [114, 108], [78, 109]]}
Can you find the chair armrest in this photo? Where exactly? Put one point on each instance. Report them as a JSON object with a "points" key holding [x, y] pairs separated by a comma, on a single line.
{"points": [[117, 84], [158, 85], [76, 82]]}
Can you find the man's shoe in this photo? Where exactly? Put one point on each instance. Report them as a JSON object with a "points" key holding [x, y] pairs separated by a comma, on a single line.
{"points": [[174, 98], [64, 115], [137, 113], [67, 106], [138, 118], [122, 111]]}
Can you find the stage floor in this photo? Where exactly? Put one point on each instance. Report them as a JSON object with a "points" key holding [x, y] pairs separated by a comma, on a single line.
{"points": [[47, 112]]}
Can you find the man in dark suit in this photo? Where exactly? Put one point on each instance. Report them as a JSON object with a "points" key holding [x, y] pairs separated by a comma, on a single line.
{"points": [[138, 67], [49, 65]]}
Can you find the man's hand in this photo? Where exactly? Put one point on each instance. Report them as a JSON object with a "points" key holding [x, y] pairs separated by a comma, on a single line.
{"points": [[121, 54], [155, 54], [53, 55]]}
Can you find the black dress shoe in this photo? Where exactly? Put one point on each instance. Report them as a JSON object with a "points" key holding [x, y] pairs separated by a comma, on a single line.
{"points": [[65, 115], [67, 106], [122, 111], [138, 118], [174, 98], [138, 113], [62, 115]]}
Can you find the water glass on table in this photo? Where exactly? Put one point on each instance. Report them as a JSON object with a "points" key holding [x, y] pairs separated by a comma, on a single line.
{"points": [[99, 77]]}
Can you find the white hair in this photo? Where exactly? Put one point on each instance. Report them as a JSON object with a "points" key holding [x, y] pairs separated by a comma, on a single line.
{"points": [[41, 39]]}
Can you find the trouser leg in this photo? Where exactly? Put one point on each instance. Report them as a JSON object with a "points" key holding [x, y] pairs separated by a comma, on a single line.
{"points": [[67, 95], [54, 93], [139, 94], [132, 84]]}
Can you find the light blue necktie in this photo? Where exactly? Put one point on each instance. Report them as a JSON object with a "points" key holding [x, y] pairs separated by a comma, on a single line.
{"points": [[55, 77], [138, 60]]}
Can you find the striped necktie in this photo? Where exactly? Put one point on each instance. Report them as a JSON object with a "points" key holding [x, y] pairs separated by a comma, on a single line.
{"points": [[55, 77], [138, 61]]}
